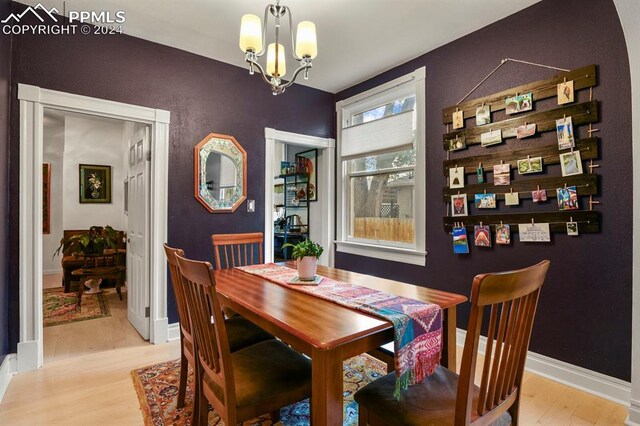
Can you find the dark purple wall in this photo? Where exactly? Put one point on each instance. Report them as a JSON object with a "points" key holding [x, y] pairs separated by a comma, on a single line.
{"points": [[5, 68], [203, 96], [584, 317]]}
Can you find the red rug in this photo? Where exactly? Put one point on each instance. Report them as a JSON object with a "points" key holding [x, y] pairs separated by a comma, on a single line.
{"points": [[59, 307], [157, 389]]}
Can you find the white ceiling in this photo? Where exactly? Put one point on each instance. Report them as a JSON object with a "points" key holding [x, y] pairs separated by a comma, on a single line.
{"points": [[357, 39]]}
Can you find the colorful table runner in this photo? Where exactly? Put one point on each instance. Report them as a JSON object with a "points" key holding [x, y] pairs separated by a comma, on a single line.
{"points": [[417, 325]]}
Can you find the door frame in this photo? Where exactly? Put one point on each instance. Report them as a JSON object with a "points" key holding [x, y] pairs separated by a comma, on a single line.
{"points": [[33, 100], [325, 196]]}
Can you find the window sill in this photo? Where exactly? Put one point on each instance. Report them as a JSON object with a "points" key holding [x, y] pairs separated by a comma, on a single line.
{"points": [[394, 254]]}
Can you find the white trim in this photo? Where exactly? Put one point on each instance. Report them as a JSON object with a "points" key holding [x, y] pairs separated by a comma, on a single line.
{"points": [[394, 254], [7, 370], [416, 254], [629, 14], [173, 332], [325, 197], [32, 102], [589, 381]]}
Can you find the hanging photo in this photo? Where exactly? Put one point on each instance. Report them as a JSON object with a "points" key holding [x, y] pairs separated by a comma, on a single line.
{"points": [[564, 129], [519, 103], [480, 174], [485, 201], [503, 234], [459, 205], [501, 174], [483, 115], [534, 232], [307, 161], [456, 144], [571, 163], [572, 228], [491, 138], [530, 165], [482, 235], [525, 130], [567, 198], [458, 120], [456, 177], [460, 242], [539, 195], [565, 92], [511, 199]]}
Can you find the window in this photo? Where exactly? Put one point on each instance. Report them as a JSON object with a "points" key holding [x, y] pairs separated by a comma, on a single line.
{"points": [[382, 179]]}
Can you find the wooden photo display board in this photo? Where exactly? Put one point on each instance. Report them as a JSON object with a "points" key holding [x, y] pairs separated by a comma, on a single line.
{"points": [[480, 161]]}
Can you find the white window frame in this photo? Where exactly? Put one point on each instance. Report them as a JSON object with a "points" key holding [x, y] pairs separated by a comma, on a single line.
{"points": [[416, 253]]}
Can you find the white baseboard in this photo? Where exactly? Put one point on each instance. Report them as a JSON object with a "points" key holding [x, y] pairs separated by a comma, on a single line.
{"points": [[52, 272], [634, 413], [589, 381], [174, 332], [28, 356], [160, 330], [7, 370]]}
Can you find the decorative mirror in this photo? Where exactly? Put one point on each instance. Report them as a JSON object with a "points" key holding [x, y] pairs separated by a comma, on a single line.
{"points": [[220, 173]]}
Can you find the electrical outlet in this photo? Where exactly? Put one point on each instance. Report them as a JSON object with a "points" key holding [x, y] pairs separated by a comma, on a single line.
{"points": [[251, 206]]}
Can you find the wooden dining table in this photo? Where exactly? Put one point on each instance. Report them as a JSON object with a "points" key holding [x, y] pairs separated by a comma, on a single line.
{"points": [[327, 332]]}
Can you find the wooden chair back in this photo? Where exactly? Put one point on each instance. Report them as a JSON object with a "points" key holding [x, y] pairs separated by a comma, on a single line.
{"points": [[178, 290], [231, 250], [511, 298], [210, 333]]}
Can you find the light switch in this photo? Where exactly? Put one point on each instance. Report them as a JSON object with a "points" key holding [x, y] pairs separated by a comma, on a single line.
{"points": [[251, 206]]}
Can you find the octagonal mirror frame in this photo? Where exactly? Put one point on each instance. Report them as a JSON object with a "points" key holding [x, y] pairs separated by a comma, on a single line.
{"points": [[227, 146]]}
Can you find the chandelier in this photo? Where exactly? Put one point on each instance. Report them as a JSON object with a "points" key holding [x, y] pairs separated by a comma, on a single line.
{"points": [[252, 43]]}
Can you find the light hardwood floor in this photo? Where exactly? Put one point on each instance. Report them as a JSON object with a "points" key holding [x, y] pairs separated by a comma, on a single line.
{"points": [[95, 387], [93, 336]]}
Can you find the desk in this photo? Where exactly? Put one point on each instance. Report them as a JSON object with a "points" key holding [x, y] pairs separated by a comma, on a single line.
{"points": [[329, 333]]}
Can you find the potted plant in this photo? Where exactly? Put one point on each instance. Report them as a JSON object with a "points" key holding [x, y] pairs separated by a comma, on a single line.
{"points": [[306, 254], [93, 242]]}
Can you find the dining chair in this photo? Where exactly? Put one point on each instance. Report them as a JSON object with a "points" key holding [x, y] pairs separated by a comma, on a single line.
{"points": [[237, 249], [445, 398], [231, 250], [240, 385], [241, 332]]}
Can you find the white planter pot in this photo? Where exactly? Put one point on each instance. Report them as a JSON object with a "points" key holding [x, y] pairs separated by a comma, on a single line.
{"points": [[307, 267]]}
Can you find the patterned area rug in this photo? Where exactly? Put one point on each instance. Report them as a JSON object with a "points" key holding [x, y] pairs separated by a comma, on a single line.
{"points": [[60, 307], [157, 389]]}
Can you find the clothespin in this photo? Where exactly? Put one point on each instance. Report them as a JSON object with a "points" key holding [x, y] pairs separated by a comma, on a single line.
{"points": [[565, 80], [501, 223], [511, 189], [485, 192], [458, 193], [501, 162], [480, 223], [570, 218], [565, 185], [538, 187], [532, 221]]}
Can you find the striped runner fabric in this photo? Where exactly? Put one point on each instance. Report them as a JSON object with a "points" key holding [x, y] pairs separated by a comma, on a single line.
{"points": [[417, 325]]}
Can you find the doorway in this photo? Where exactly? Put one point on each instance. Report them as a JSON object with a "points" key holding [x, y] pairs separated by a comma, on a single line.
{"points": [[33, 102], [86, 175], [321, 217]]}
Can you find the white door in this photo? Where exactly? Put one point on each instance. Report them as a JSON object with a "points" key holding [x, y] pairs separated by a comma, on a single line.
{"points": [[137, 233]]}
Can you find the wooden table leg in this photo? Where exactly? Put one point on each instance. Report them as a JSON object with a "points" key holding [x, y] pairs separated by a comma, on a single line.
{"points": [[326, 387], [80, 292], [451, 338]]}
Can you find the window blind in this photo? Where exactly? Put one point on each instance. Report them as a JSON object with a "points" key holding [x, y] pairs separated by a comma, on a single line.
{"points": [[388, 134]]}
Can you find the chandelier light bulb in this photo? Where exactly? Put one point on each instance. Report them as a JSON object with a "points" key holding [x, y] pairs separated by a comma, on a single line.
{"points": [[306, 44], [281, 68], [250, 33]]}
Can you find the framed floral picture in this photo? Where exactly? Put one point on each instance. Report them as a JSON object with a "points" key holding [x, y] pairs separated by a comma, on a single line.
{"points": [[95, 184]]}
